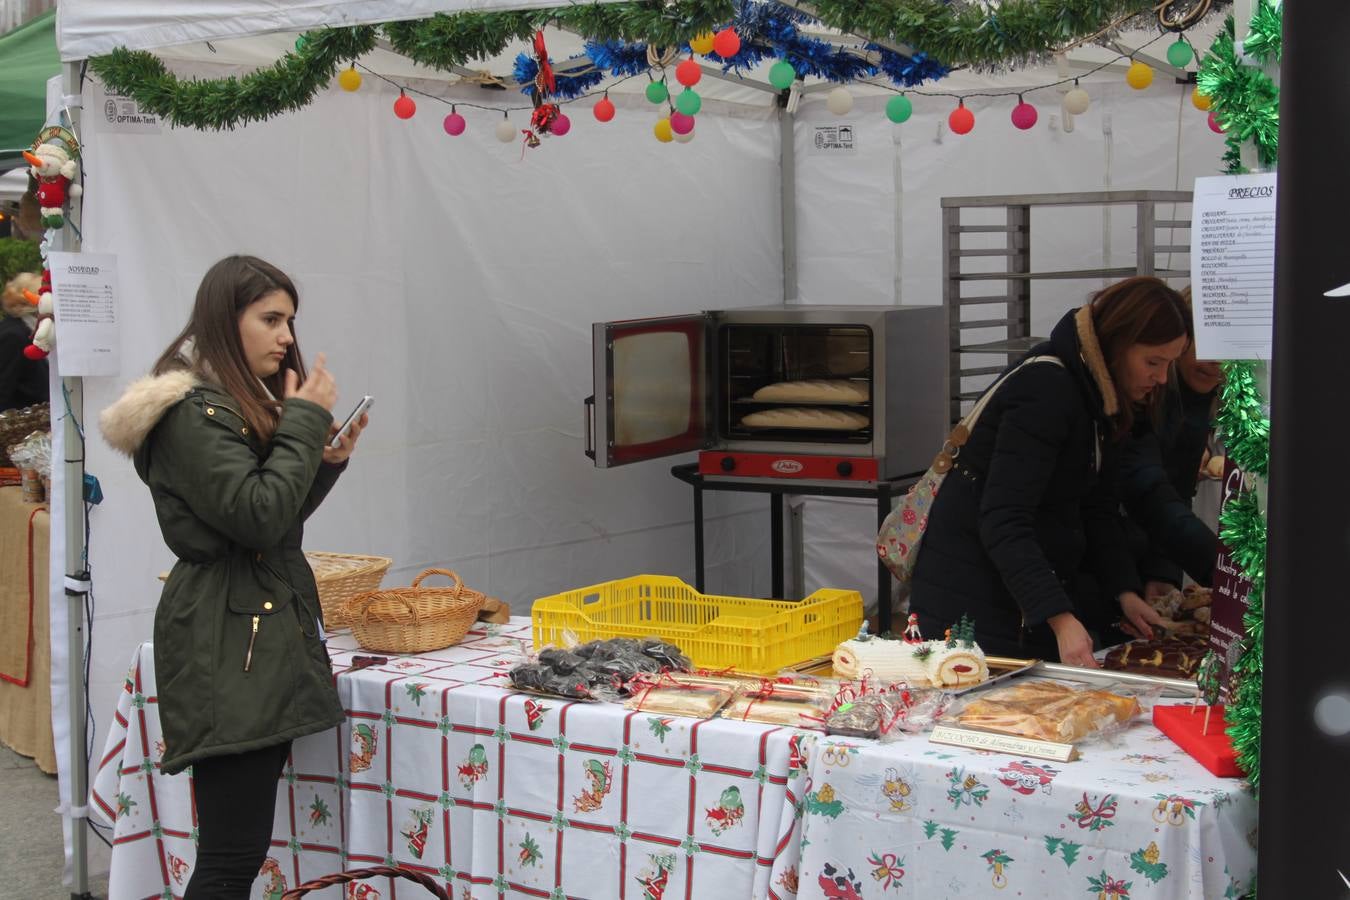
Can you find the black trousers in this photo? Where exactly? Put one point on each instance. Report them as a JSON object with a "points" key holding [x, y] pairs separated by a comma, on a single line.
{"points": [[236, 798]]}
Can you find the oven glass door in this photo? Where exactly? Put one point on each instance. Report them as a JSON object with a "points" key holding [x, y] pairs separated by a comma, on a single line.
{"points": [[651, 393]]}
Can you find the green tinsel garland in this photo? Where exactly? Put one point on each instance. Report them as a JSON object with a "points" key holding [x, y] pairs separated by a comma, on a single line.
{"points": [[1246, 100], [1247, 104], [290, 83], [967, 34], [1244, 425]]}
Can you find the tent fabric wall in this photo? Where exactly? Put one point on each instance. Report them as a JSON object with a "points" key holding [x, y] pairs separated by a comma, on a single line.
{"points": [[456, 280], [869, 225], [94, 27]]}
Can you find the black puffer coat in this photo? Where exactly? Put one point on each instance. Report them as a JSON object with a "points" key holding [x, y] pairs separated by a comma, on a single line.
{"points": [[1027, 505], [1158, 472]]}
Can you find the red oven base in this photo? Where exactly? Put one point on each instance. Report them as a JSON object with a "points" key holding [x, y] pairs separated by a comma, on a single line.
{"points": [[787, 465]]}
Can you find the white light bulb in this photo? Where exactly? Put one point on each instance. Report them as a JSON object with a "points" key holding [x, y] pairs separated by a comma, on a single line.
{"points": [[1076, 101], [506, 132], [840, 101], [684, 138]]}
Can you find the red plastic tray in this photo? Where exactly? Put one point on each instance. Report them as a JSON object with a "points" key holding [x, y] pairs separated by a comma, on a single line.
{"points": [[1214, 750]]}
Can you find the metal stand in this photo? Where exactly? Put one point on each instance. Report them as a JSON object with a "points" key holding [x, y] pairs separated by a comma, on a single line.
{"points": [[881, 491]]}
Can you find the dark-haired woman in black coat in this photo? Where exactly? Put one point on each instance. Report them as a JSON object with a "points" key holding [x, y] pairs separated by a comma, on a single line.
{"points": [[1031, 500]]}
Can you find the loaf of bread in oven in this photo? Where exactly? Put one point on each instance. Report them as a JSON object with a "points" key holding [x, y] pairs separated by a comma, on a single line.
{"points": [[836, 391], [793, 417]]}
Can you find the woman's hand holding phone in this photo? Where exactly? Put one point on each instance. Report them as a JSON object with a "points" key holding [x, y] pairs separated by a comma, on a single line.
{"points": [[346, 444]]}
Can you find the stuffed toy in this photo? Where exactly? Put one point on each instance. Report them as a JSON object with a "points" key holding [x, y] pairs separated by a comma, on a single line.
{"points": [[52, 163], [44, 335]]}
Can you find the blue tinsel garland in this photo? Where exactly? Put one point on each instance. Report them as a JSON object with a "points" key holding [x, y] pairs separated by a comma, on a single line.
{"points": [[768, 31]]}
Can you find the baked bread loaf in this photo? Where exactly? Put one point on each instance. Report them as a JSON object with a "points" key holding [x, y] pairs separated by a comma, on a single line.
{"points": [[836, 391], [793, 417]]}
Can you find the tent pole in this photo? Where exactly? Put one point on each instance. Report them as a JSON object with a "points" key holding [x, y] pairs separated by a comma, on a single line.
{"points": [[788, 202], [77, 574]]}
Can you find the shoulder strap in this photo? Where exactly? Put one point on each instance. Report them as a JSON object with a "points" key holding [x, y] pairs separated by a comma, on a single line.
{"points": [[968, 422]]}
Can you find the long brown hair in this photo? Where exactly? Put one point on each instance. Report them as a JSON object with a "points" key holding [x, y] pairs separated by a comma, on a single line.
{"points": [[1139, 310], [227, 289]]}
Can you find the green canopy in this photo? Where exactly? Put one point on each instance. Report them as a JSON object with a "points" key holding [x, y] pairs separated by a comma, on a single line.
{"points": [[29, 60]]}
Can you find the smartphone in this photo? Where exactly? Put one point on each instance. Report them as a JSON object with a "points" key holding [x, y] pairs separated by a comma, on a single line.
{"points": [[366, 403]]}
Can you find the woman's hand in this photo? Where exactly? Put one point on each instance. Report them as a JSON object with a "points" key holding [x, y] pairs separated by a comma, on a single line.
{"points": [[1075, 644], [1154, 589], [339, 455], [318, 388], [1139, 616]]}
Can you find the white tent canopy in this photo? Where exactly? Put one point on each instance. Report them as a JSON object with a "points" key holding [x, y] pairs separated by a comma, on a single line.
{"points": [[86, 28], [456, 279]]}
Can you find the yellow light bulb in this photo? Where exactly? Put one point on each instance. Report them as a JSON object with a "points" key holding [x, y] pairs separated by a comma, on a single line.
{"points": [[1201, 101], [349, 79], [702, 44], [1139, 76], [664, 133]]}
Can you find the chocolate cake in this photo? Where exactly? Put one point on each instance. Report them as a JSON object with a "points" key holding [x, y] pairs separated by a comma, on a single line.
{"points": [[1169, 657]]}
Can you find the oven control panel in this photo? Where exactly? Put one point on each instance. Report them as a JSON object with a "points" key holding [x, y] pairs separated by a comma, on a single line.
{"points": [[787, 465]]}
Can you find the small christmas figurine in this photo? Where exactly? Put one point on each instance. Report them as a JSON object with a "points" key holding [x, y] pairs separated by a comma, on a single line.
{"points": [[912, 635], [52, 163], [951, 641], [862, 632], [965, 632], [1207, 679]]}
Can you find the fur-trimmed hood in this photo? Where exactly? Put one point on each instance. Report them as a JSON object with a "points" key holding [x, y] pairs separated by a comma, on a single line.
{"points": [[127, 423], [1092, 356], [1074, 340]]}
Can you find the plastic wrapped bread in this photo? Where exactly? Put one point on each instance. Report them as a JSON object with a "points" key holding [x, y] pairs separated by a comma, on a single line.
{"points": [[832, 391], [1048, 711], [794, 417]]}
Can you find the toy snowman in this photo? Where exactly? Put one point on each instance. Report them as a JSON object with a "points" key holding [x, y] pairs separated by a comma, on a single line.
{"points": [[52, 163], [44, 336]]}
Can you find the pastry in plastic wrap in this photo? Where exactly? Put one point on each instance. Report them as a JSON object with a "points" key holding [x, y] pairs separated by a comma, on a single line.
{"points": [[1048, 711], [668, 696], [597, 668], [779, 704]]}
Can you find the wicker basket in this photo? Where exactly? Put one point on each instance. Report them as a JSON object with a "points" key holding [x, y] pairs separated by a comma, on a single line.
{"points": [[425, 881], [414, 619], [342, 576]]}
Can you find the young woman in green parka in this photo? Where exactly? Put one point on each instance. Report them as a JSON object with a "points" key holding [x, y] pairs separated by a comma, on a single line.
{"points": [[232, 436]]}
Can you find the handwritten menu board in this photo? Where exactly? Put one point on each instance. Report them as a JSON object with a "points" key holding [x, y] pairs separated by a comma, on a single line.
{"points": [[1230, 590], [1233, 265]]}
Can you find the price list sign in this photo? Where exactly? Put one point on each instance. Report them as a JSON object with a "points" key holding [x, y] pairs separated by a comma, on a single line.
{"points": [[1233, 265], [84, 293]]}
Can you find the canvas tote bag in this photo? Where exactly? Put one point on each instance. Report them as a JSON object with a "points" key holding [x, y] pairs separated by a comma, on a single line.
{"points": [[902, 531]]}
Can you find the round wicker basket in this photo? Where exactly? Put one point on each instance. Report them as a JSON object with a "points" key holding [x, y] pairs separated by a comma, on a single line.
{"points": [[342, 576], [413, 619], [347, 877]]}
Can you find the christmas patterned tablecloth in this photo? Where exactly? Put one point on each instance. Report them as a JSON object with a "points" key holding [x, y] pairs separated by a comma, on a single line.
{"points": [[507, 796], [1133, 818], [502, 795]]}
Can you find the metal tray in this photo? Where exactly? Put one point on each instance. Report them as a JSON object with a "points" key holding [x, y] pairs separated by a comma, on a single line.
{"points": [[1001, 668], [1171, 687]]}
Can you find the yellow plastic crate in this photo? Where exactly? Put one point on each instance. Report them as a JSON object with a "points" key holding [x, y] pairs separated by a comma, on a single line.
{"points": [[761, 636]]}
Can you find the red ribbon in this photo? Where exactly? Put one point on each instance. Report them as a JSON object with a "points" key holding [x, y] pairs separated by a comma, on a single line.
{"points": [[545, 80]]}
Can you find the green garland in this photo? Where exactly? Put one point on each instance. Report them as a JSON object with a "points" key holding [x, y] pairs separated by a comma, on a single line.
{"points": [[1247, 104], [290, 83], [1244, 424], [1246, 100], [969, 35]]}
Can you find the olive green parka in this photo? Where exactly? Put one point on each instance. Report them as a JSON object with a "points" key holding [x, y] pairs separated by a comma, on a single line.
{"points": [[239, 664]]}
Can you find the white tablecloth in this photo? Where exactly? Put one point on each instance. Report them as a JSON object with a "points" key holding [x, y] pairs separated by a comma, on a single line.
{"points": [[506, 796]]}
